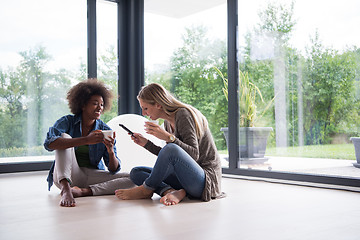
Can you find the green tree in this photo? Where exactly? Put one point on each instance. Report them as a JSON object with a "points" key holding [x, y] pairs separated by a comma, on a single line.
{"points": [[278, 19], [32, 99], [162, 76], [195, 82], [11, 111], [330, 93], [107, 72], [56, 87], [272, 66], [34, 76]]}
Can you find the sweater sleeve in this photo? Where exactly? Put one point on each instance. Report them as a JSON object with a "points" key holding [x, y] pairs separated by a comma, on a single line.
{"points": [[151, 147], [185, 133]]}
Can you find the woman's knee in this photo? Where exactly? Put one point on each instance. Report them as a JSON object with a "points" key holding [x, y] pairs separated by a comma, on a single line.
{"points": [[138, 175], [170, 148], [134, 172]]}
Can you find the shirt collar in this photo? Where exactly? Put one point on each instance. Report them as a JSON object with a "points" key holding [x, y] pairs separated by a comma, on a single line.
{"points": [[78, 120]]}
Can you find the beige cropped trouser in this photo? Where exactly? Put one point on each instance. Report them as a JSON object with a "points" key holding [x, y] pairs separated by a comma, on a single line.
{"points": [[101, 182]]}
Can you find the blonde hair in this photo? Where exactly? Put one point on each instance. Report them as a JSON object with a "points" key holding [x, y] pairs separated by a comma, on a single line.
{"points": [[155, 93]]}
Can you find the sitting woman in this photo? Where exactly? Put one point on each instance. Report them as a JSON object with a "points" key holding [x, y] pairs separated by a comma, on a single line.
{"points": [[188, 164], [80, 145]]}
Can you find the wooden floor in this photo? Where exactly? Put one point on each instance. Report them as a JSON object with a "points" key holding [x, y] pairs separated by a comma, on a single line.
{"points": [[252, 210]]}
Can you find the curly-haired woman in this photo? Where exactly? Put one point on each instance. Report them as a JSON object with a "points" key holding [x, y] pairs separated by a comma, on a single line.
{"points": [[80, 145]]}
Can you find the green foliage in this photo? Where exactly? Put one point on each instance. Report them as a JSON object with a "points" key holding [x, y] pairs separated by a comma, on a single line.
{"points": [[194, 80], [32, 100], [33, 75], [11, 110], [44, 94], [278, 18], [163, 77], [107, 72], [24, 151], [248, 92], [332, 151], [329, 83]]}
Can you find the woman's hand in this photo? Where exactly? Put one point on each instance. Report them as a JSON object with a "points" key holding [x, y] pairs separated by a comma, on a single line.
{"points": [[109, 144], [139, 139], [95, 137], [155, 130]]}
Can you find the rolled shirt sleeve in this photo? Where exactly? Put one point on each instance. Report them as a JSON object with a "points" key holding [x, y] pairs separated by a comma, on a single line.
{"points": [[61, 126]]}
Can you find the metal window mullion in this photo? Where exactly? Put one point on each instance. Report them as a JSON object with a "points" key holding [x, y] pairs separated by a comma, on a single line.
{"points": [[233, 72], [91, 38]]}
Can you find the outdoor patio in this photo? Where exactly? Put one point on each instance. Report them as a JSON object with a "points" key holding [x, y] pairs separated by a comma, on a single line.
{"points": [[317, 166]]}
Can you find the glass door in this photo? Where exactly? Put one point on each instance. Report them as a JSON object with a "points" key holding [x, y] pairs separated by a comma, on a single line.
{"points": [[299, 72], [184, 45]]}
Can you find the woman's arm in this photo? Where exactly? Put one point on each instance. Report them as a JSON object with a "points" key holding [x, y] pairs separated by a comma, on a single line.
{"points": [[151, 147], [63, 143], [185, 132], [186, 136], [147, 144]]}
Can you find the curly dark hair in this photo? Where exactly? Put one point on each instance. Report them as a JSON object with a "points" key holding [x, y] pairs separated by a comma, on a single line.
{"points": [[79, 95]]}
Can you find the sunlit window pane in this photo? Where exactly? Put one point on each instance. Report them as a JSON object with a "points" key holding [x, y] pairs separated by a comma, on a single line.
{"points": [[183, 46], [43, 52], [303, 57]]}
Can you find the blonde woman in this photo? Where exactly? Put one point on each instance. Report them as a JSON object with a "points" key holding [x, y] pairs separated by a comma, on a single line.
{"points": [[188, 165]]}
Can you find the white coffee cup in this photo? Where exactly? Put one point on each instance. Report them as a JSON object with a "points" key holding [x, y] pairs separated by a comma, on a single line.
{"points": [[150, 121], [153, 121], [108, 134]]}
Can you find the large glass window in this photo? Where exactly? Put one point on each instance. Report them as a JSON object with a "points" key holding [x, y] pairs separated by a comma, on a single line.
{"points": [[183, 46], [107, 61], [300, 62], [43, 52]]}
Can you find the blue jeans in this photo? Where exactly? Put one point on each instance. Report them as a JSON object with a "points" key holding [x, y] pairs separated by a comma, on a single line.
{"points": [[174, 168]]}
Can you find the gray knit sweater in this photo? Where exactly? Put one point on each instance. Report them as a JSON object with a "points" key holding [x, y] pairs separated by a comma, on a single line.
{"points": [[202, 150]]}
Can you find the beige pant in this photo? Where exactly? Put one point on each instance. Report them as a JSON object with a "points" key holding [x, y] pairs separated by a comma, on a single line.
{"points": [[101, 182]]}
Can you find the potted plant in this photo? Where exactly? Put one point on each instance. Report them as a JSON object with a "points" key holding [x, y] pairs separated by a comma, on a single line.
{"points": [[253, 140]]}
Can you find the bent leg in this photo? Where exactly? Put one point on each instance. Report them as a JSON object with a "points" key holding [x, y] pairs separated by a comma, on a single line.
{"points": [[66, 167], [66, 173], [139, 174], [173, 159], [104, 183]]}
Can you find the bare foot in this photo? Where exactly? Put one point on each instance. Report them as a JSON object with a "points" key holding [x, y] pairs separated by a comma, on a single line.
{"points": [[81, 192], [173, 197], [134, 193], [67, 199]]}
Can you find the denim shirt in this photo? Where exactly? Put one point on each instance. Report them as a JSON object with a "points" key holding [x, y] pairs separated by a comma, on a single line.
{"points": [[71, 124]]}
